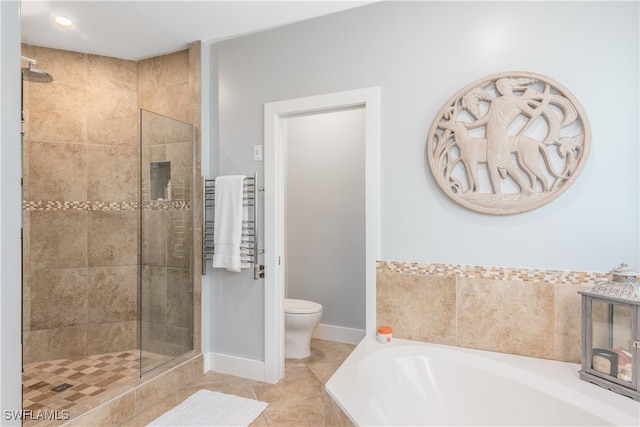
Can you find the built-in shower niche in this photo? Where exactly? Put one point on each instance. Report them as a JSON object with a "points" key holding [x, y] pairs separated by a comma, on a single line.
{"points": [[160, 181]]}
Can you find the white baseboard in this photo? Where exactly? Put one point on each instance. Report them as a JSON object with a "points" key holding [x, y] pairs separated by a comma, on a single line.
{"points": [[255, 369], [232, 365], [339, 334]]}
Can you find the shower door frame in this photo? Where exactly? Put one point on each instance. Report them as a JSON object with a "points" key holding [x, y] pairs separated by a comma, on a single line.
{"points": [[275, 117]]}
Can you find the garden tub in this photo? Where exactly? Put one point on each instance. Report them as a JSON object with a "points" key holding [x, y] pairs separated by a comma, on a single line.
{"points": [[420, 384]]}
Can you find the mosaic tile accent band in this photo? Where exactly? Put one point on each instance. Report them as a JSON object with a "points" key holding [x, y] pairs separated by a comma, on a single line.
{"points": [[56, 205], [166, 205], [558, 277]]}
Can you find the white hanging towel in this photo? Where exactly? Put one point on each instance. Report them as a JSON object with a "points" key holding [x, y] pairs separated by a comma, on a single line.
{"points": [[227, 226]]}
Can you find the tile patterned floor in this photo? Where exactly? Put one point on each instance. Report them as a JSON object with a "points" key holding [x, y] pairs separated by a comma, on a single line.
{"points": [[78, 384], [296, 400]]}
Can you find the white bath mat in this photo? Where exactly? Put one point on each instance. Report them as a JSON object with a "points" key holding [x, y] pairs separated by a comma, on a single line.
{"points": [[211, 408]]}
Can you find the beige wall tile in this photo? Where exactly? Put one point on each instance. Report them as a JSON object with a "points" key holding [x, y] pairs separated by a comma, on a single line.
{"points": [[179, 297], [197, 309], [57, 113], [151, 413], [171, 101], [114, 412], [112, 294], [165, 340], [26, 246], [112, 173], [195, 52], [107, 248], [181, 158], [112, 117], [417, 307], [154, 238], [150, 155], [112, 73], [65, 66], [59, 343], [178, 340], [58, 298], [195, 81], [112, 337], [153, 132], [164, 70], [153, 294], [176, 104], [198, 365], [26, 347], [186, 373], [152, 337], [150, 72], [180, 239], [537, 313], [26, 300], [57, 171], [58, 239], [157, 389], [568, 322], [195, 112], [506, 316], [176, 68]]}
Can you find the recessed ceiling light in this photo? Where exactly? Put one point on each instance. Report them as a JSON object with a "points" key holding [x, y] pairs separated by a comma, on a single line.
{"points": [[63, 21]]}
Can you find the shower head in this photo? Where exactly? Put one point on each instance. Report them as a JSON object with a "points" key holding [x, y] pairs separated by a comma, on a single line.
{"points": [[35, 75]]}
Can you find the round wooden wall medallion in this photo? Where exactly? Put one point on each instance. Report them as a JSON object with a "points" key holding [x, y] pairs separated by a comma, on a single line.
{"points": [[508, 143]]}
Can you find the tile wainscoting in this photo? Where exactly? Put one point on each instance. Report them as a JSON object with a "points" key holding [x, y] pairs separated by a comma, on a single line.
{"points": [[520, 311]]}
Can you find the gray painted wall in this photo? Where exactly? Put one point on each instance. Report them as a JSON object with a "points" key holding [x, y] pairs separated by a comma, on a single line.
{"points": [[10, 215], [420, 54], [325, 213]]}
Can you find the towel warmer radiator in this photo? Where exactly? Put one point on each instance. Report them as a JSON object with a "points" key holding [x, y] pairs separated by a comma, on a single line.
{"points": [[249, 249]]}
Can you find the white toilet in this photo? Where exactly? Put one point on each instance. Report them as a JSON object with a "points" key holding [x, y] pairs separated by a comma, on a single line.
{"points": [[300, 320]]}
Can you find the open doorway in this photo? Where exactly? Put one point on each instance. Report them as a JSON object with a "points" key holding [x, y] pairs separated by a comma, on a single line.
{"points": [[325, 218], [277, 117]]}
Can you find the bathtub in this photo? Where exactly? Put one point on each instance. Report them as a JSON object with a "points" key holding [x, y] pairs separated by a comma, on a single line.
{"points": [[420, 384]]}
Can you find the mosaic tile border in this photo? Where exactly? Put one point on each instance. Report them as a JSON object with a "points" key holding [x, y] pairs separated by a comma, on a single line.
{"points": [[166, 205], [56, 205], [558, 277]]}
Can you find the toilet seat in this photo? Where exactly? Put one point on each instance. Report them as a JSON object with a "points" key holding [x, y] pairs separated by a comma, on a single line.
{"points": [[299, 306]]}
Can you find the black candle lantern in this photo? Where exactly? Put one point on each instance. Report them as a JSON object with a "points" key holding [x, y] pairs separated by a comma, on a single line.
{"points": [[611, 333]]}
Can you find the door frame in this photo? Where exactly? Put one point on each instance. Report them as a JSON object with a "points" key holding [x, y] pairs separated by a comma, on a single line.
{"points": [[275, 134]]}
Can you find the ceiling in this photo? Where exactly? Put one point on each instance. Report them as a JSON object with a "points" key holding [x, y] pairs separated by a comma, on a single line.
{"points": [[144, 28]]}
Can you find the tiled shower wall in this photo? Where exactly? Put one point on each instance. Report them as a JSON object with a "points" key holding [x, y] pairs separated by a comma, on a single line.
{"points": [[167, 242], [169, 85], [81, 183], [528, 312], [81, 155]]}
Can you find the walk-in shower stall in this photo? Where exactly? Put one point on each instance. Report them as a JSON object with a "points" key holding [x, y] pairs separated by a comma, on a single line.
{"points": [[107, 224]]}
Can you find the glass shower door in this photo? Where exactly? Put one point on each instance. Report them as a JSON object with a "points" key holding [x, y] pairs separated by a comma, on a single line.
{"points": [[166, 239]]}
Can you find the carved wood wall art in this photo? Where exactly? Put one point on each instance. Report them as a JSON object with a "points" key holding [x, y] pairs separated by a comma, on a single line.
{"points": [[508, 143]]}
